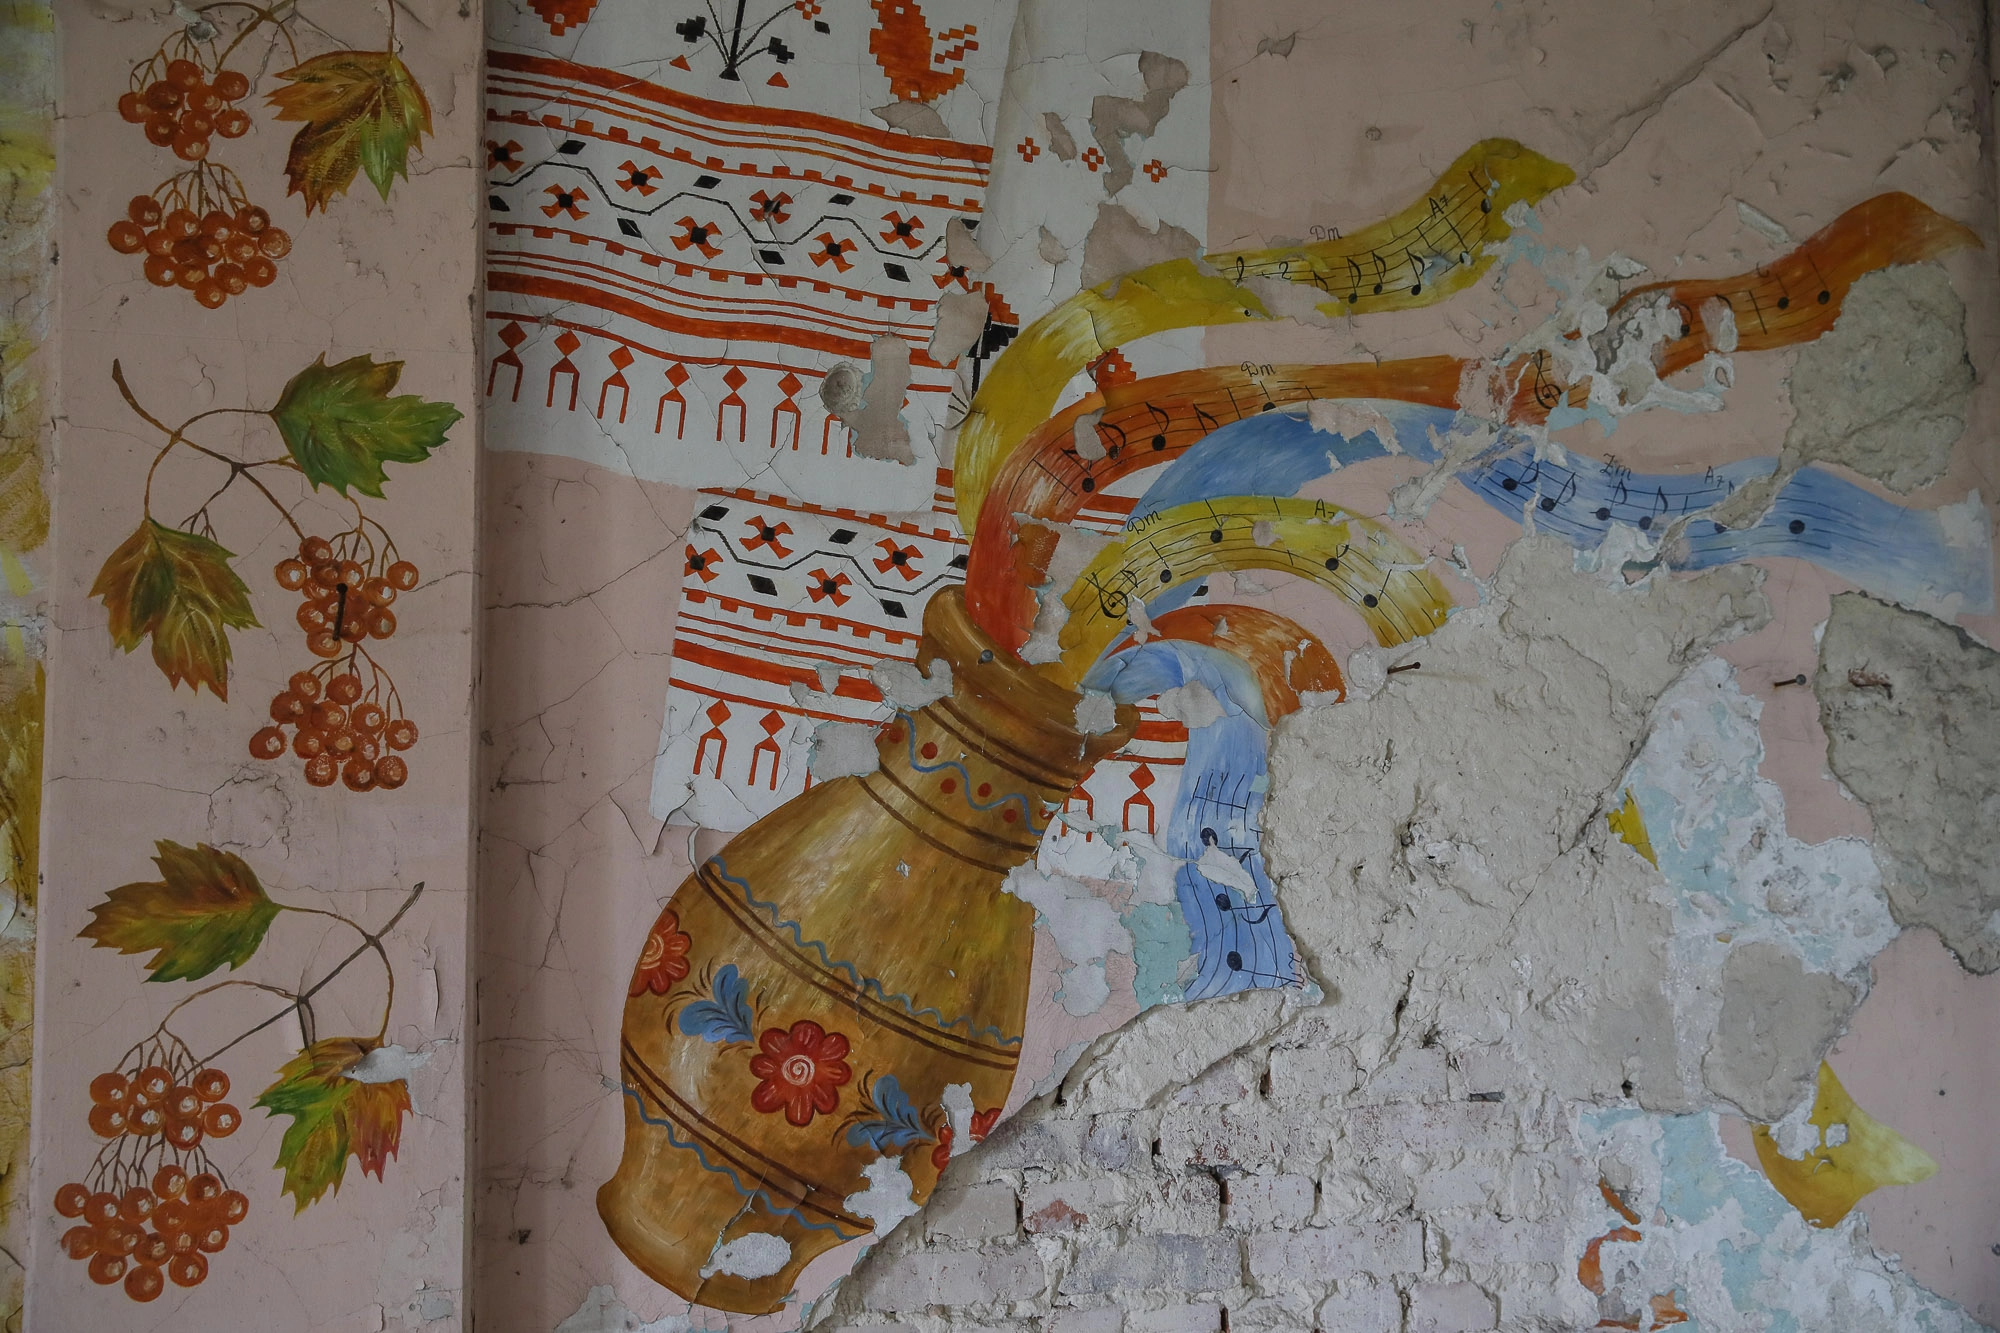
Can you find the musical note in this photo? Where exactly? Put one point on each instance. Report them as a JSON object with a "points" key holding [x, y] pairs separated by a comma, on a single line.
{"points": [[1562, 496], [1381, 271], [1113, 602], [1417, 270], [1825, 292], [1355, 294], [1164, 422]]}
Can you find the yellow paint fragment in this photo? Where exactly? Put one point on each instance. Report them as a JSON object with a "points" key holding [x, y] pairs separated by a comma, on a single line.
{"points": [[1826, 1184], [1630, 826]]}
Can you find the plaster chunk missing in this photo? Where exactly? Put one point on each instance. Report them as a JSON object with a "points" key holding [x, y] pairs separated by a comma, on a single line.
{"points": [[1777, 1021], [1911, 708], [1441, 849], [1887, 390], [758, 1254], [870, 404]]}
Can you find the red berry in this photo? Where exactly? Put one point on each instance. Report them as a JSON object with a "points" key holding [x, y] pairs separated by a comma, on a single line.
{"points": [[401, 734], [344, 688], [358, 775], [323, 644], [291, 574], [230, 278], [212, 1239], [160, 271], [341, 744], [187, 1270], [144, 1283], [175, 1214], [169, 1182], [161, 129], [328, 716], [126, 237], [197, 123], [306, 685], [106, 1269], [275, 242], [70, 1200], [184, 1134], [368, 717], [145, 1120], [204, 1187], [235, 1206], [221, 1120], [308, 743], [152, 1083], [256, 222], [211, 294], [79, 1242], [183, 73], [312, 617], [315, 550], [101, 1208], [288, 707], [260, 272], [391, 772], [381, 622], [190, 276], [132, 109], [144, 210], [232, 123], [161, 96], [188, 148], [231, 86], [138, 1204], [267, 743], [212, 1085], [217, 225], [402, 575], [110, 1090], [321, 770], [108, 1121]]}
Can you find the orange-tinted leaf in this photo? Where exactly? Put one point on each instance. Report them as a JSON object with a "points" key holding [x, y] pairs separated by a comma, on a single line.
{"points": [[363, 111], [178, 589], [333, 1116], [206, 909]]}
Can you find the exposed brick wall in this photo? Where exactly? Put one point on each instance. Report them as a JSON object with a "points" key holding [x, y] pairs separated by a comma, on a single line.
{"points": [[1284, 1188]]}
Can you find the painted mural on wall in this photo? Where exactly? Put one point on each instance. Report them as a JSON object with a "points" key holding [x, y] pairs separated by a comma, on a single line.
{"points": [[178, 1105], [990, 599]]}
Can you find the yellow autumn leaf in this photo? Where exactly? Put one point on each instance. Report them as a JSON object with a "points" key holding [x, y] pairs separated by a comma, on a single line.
{"points": [[362, 111], [1856, 1154]]}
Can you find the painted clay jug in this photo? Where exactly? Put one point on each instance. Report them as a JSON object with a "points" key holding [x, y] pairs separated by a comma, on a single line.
{"points": [[813, 1001]]}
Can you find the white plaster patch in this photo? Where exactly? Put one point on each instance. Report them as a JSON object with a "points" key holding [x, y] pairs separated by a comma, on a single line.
{"points": [[1193, 705], [759, 1254], [885, 1202]]}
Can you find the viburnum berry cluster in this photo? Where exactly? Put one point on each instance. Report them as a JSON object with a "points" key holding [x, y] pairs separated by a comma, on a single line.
{"points": [[343, 727], [153, 1207], [199, 232], [182, 107]]}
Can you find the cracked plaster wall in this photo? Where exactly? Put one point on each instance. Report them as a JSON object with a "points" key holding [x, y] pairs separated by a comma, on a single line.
{"points": [[1529, 1039], [1517, 1006]]}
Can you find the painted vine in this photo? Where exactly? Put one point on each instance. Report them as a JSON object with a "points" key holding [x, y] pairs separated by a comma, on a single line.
{"points": [[175, 587], [154, 1207]]}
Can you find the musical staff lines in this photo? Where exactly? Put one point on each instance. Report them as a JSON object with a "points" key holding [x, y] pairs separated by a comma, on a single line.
{"points": [[1797, 297], [1151, 422], [1436, 246], [1419, 256], [1358, 559]]}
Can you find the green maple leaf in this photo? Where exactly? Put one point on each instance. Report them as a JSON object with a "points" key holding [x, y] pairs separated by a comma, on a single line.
{"points": [[333, 1117], [341, 425], [206, 909], [178, 589], [363, 110]]}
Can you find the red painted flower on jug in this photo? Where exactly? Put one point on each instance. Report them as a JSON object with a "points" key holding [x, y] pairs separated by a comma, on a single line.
{"points": [[982, 1125], [664, 959], [802, 1070]]}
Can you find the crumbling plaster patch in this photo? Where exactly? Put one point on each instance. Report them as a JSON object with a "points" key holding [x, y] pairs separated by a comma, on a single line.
{"points": [[1911, 708]]}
